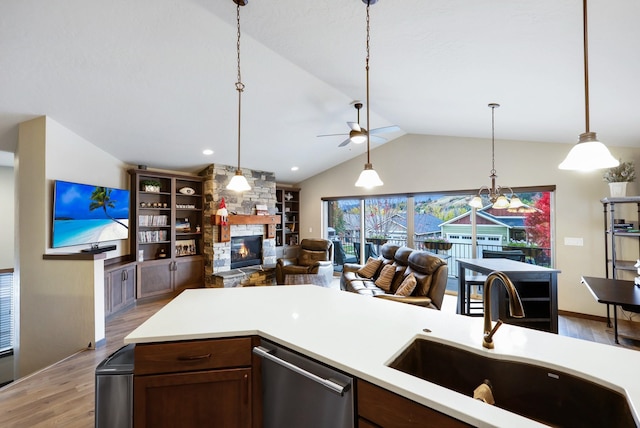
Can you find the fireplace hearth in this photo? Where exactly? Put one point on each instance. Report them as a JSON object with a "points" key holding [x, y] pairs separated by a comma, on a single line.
{"points": [[246, 251]]}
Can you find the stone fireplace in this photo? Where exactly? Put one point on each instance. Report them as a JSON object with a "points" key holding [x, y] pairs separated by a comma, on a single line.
{"points": [[218, 255]]}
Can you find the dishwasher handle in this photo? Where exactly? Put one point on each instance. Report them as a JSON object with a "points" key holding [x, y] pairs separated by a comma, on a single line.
{"points": [[327, 383]]}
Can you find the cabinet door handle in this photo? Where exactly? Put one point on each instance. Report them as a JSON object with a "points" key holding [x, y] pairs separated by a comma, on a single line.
{"points": [[195, 357]]}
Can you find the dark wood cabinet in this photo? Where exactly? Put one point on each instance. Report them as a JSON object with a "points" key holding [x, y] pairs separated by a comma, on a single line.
{"points": [[378, 407], [166, 238], [119, 287], [536, 285], [194, 384]]}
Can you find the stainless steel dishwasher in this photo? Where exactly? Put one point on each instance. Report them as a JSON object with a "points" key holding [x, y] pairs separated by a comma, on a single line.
{"points": [[300, 392]]}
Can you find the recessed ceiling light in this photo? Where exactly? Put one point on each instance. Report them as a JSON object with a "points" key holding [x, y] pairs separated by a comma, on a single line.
{"points": [[207, 152], [294, 168]]}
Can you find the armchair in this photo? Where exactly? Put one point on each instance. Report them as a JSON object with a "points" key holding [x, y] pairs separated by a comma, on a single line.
{"points": [[315, 256]]}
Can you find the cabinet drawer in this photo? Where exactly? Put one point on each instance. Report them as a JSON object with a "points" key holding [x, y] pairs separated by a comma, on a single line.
{"points": [[171, 357], [384, 408]]}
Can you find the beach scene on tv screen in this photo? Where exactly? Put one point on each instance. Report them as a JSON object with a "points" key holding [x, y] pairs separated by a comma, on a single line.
{"points": [[85, 214]]}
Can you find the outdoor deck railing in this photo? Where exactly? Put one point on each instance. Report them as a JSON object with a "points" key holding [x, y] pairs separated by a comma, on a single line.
{"points": [[534, 255]]}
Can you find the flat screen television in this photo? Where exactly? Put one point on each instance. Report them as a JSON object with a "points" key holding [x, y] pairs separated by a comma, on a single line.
{"points": [[87, 214]]}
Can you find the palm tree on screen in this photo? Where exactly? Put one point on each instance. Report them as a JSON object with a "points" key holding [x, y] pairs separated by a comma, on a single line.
{"points": [[101, 198]]}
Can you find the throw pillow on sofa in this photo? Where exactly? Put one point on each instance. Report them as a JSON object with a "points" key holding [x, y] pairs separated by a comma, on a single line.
{"points": [[399, 277], [370, 268], [407, 286], [386, 277]]}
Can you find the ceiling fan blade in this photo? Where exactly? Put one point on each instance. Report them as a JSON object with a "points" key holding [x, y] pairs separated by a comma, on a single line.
{"points": [[377, 140], [385, 129], [354, 126], [345, 142], [330, 135]]}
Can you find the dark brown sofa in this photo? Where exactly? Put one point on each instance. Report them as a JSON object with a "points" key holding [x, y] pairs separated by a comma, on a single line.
{"points": [[429, 271]]}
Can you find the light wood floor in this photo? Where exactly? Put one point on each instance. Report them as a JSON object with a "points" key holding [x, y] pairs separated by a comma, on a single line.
{"points": [[63, 395]]}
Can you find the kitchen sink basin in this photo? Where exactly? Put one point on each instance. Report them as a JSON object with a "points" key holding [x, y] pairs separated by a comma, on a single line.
{"points": [[542, 394]]}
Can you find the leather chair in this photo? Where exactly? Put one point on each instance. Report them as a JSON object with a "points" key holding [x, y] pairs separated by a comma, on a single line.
{"points": [[315, 257]]}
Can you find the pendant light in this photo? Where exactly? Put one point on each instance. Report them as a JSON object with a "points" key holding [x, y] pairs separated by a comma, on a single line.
{"points": [[495, 193], [589, 153], [368, 177], [239, 182]]}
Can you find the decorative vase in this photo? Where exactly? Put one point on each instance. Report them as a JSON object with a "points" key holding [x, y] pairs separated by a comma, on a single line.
{"points": [[618, 190]]}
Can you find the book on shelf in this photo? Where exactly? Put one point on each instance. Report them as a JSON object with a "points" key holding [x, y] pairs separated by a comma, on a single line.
{"points": [[152, 220], [149, 236]]}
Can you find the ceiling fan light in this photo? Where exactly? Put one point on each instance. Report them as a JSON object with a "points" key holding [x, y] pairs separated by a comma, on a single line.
{"points": [[501, 203], [238, 183], [368, 177], [588, 154], [357, 137], [476, 202]]}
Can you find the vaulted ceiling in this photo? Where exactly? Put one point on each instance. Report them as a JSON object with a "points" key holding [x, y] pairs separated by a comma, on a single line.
{"points": [[153, 81]]}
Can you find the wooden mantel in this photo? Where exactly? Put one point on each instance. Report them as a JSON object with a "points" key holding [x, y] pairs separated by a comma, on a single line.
{"points": [[224, 234]]}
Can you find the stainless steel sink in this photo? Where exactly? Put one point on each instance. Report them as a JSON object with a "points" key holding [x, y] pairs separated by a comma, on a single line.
{"points": [[548, 396]]}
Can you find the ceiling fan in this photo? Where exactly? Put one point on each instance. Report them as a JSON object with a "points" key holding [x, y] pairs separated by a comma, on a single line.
{"points": [[358, 135]]}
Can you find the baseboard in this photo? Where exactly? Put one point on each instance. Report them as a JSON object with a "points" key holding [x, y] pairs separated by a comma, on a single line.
{"points": [[582, 316]]}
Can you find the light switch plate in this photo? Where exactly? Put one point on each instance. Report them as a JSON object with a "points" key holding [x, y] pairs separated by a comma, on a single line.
{"points": [[576, 242]]}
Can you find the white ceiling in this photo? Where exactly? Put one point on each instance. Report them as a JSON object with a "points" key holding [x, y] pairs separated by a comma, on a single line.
{"points": [[153, 81]]}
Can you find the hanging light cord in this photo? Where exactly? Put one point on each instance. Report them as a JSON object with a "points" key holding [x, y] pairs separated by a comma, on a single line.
{"points": [[239, 84], [493, 141], [367, 70], [586, 64]]}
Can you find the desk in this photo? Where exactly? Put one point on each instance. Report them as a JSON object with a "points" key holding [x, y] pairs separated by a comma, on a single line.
{"points": [[614, 292], [536, 285]]}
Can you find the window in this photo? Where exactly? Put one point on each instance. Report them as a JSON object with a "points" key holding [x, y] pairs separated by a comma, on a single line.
{"points": [[6, 311], [443, 223]]}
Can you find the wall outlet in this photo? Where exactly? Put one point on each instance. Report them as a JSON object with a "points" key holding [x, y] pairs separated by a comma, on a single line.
{"points": [[576, 242]]}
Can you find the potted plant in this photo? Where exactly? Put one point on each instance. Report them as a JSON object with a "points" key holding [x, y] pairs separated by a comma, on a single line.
{"points": [[150, 185], [618, 177], [437, 244], [530, 249]]}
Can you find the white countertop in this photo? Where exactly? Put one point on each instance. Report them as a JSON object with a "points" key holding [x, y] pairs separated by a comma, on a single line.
{"points": [[360, 335]]}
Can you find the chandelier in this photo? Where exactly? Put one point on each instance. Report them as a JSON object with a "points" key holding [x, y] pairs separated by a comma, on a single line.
{"points": [[239, 182], [496, 193]]}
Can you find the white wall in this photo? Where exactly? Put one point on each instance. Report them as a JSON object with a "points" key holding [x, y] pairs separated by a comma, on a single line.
{"points": [[61, 302], [7, 206], [418, 163]]}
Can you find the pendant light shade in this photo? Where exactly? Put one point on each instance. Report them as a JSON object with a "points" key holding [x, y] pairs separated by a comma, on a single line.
{"points": [[368, 177], [238, 182], [588, 153]]}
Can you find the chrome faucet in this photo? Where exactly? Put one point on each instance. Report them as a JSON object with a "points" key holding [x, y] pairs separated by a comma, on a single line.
{"points": [[515, 305]]}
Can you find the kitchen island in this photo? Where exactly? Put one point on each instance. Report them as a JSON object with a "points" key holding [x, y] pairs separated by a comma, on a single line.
{"points": [[360, 335]]}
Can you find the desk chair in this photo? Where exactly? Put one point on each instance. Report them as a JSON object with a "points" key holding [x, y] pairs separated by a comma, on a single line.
{"points": [[478, 280]]}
